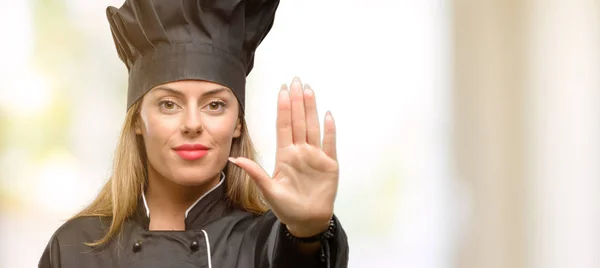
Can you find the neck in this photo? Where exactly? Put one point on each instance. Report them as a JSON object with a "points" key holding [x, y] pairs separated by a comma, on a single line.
{"points": [[168, 201]]}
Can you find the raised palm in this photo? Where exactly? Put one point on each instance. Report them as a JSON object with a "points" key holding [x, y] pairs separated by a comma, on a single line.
{"points": [[303, 187]]}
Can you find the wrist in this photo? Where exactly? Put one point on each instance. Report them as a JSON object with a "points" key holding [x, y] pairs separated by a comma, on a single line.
{"points": [[308, 230]]}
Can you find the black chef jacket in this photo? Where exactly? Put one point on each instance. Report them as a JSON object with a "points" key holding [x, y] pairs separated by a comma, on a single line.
{"points": [[217, 235]]}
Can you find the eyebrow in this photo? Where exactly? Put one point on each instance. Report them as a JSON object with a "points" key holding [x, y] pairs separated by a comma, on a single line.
{"points": [[179, 93]]}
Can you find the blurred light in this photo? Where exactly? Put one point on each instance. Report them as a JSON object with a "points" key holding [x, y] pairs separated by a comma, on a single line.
{"points": [[22, 91], [25, 94], [58, 183]]}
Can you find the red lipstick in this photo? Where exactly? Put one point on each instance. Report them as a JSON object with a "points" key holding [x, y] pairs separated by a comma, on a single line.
{"points": [[191, 151]]}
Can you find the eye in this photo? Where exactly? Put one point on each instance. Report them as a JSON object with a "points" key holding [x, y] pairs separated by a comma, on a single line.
{"points": [[215, 105], [168, 105]]}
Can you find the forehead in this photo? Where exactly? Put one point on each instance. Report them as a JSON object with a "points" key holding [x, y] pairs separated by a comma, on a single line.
{"points": [[191, 88]]}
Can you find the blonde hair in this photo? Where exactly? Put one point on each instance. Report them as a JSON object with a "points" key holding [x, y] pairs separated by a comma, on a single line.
{"points": [[118, 198]]}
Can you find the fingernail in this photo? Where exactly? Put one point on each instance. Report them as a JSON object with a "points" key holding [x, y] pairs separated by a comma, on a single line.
{"points": [[231, 159], [328, 114], [308, 92], [296, 80], [283, 87]]}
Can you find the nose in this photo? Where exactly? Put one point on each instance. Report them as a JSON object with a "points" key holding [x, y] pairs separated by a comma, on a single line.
{"points": [[192, 123]]}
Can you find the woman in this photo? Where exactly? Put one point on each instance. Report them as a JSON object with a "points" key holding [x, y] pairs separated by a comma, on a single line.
{"points": [[185, 191]]}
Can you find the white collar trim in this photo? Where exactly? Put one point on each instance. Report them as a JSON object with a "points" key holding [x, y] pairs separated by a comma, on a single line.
{"points": [[193, 205]]}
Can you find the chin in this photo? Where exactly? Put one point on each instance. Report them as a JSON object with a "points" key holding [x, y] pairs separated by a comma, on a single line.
{"points": [[193, 178]]}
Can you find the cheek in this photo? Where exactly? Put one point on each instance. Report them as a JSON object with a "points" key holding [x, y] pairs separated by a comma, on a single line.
{"points": [[221, 131], [158, 131]]}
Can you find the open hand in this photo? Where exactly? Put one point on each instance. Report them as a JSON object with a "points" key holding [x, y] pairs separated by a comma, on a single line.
{"points": [[304, 184]]}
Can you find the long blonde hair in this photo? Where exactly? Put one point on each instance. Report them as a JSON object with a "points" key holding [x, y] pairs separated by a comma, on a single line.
{"points": [[119, 197]]}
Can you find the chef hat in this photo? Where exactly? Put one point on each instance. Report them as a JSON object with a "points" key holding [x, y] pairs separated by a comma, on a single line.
{"points": [[165, 40]]}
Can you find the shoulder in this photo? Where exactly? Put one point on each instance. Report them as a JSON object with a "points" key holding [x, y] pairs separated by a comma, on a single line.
{"points": [[71, 236], [82, 229], [265, 219], [84, 224], [242, 221]]}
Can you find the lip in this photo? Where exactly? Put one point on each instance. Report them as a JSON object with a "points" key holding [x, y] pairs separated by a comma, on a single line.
{"points": [[191, 151], [189, 147]]}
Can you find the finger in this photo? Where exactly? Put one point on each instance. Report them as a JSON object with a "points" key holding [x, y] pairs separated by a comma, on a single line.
{"points": [[313, 130], [329, 138], [298, 116], [284, 118], [256, 172]]}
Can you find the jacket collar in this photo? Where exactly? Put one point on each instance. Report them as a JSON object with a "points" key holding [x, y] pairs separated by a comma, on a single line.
{"points": [[210, 206]]}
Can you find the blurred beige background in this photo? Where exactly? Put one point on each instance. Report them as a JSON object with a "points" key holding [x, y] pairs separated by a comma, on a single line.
{"points": [[469, 131]]}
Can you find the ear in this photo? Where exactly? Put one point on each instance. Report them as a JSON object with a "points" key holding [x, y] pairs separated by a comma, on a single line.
{"points": [[237, 132]]}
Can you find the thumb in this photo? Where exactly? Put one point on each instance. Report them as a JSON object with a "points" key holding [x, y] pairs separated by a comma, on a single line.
{"points": [[256, 172]]}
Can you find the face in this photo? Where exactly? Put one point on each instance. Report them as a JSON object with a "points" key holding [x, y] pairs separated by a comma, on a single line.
{"points": [[188, 127]]}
